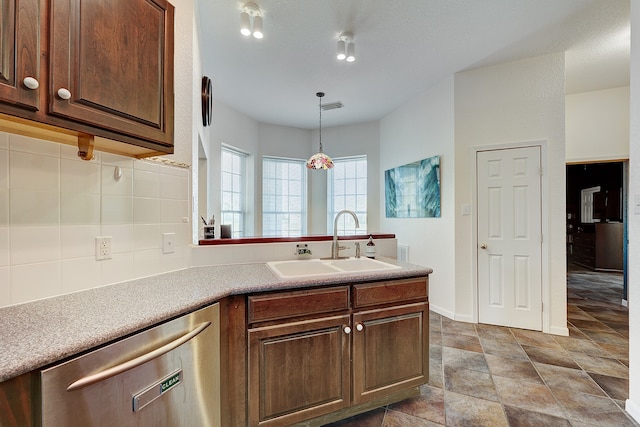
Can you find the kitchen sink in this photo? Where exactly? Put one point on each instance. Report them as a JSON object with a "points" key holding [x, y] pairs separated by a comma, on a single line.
{"points": [[324, 267]]}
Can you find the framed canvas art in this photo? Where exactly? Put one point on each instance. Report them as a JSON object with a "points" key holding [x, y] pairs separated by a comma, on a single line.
{"points": [[413, 190]]}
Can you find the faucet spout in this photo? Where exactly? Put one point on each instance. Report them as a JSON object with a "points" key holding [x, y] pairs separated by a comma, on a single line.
{"points": [[335, 248]]}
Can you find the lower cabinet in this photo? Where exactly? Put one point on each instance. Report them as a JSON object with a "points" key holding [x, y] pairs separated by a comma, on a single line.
{"points": [[358, 345]]}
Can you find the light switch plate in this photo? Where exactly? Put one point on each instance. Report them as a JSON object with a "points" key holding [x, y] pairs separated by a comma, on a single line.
{"points": [[168, 243]]}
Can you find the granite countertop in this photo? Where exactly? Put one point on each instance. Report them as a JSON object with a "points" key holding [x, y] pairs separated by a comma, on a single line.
{"points": [[39, 333]]}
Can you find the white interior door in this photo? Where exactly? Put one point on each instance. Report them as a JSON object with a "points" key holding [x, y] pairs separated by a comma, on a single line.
{"points": [[510, 237]]}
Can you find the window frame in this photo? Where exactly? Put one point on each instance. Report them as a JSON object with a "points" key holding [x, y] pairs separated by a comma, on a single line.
{"points": [[332, 210], [303, 212]]}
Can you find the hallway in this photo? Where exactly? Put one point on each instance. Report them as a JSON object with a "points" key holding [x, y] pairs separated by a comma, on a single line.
{"points": [[483, 375]]}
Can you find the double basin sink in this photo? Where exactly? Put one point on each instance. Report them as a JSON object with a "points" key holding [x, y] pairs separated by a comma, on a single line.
{"points": [[327, 267]]}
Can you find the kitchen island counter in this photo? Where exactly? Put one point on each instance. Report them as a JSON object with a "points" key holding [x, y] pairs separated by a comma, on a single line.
{"points": [[39, 333]]}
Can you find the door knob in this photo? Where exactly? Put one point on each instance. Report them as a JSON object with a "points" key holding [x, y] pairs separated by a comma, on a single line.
{"points": [[31, 83], [64, 93], [347, 330], [359, 327], [483, 246]]}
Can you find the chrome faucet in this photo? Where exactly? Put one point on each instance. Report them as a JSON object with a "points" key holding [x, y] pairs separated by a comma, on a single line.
{"points": [[335, 248]]}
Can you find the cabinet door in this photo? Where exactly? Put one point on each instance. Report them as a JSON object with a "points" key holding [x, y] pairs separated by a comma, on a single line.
{"points": [[115, 60], [19, 52], [390, 350], [298, 370]]}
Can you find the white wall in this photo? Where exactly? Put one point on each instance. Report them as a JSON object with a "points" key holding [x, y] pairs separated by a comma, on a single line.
{"points": [[597, 125], [515, 102], [633, 403], [422, 128]]}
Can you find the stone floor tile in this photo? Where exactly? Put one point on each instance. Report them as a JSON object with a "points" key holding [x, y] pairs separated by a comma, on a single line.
{"points": [[518, 417], [495, 333], [456, 358], [464, 411], [535, 339], [461, 328], [400, 419], [568, 379], [580, 345], [591, 409], [601, 365], [463, 342], [606, 337], [511, 368], [429, 405], [550, 356], [470, 383], [503, 349], [616, 388], [590, 325], [372, 418], [526, 395]]}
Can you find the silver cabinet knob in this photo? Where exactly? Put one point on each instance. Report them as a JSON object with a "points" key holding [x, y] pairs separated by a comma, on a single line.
{"points": [[359, 327], [31, 83], [347, 330], [483, 246], [64, 93]]}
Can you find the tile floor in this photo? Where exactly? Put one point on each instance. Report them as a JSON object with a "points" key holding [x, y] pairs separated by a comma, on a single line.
{"points": [[482, 375]]}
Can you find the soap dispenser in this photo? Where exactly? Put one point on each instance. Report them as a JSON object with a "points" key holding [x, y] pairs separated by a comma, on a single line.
{"points": [[371, 248]]}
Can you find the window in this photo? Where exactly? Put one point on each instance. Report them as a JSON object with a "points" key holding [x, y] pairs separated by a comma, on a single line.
{"points": [[347, 189], [283, 197], [233, 190]]}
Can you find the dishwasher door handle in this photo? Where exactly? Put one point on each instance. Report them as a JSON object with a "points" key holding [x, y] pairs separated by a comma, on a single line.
{"points": [[137, 361]]}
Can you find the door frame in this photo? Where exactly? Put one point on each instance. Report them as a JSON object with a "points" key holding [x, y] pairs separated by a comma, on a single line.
{"points": [[544, 216]]}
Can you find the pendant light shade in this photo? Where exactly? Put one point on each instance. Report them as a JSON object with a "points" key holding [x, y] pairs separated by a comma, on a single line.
{"points": [[320, 161]]}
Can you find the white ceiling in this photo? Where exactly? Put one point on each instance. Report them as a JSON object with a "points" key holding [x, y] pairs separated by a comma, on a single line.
{"points": [[403, 47]]}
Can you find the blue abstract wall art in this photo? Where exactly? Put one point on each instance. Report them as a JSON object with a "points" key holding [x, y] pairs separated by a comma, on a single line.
{"points": [[413, 190]]}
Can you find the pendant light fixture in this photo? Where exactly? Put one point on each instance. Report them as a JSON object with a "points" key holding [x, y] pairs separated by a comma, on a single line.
{"points": [[320, 160]]}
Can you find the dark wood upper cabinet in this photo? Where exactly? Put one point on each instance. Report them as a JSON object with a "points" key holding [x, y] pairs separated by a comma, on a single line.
{"points": [[20, 53], [100, 72], [113, 61]]}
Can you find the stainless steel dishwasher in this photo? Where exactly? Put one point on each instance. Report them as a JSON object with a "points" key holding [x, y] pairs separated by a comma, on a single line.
{"points": [[168, 376]]}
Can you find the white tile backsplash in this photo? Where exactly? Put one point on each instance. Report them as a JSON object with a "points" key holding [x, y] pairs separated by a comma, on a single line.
{"points": [[4, 169], [4, 140], [146, 210], [31, 282], [146, 183], [4, 207], [4, 247], [5, 293], [117, 209], [25, 144], [34, 244], [29, 171], [78, 241], [31, 207], [53, 205], [117, 187], [79, 274]]}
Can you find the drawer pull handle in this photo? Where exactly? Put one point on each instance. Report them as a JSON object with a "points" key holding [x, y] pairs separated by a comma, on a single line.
{"points": [[347, 330], [137, 361], [31, 83], [64, 93], [359, 327]]}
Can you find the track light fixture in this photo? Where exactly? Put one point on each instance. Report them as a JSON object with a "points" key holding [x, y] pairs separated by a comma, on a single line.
{"points": [[346, 48], [251, 12]]}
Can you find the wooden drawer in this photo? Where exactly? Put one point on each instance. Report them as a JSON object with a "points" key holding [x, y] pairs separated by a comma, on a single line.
{"points": [[397, 291], [283, 305]]}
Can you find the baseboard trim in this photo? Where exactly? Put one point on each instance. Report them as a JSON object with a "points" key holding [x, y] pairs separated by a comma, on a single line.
{"points": [[632, 409]]}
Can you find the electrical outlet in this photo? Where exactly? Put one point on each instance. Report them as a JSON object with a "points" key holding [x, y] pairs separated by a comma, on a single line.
{"points": [[168, 241], [103, 248]]}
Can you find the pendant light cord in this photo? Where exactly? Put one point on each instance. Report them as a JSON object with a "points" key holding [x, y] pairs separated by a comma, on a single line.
{"points": [[320, 95]]}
